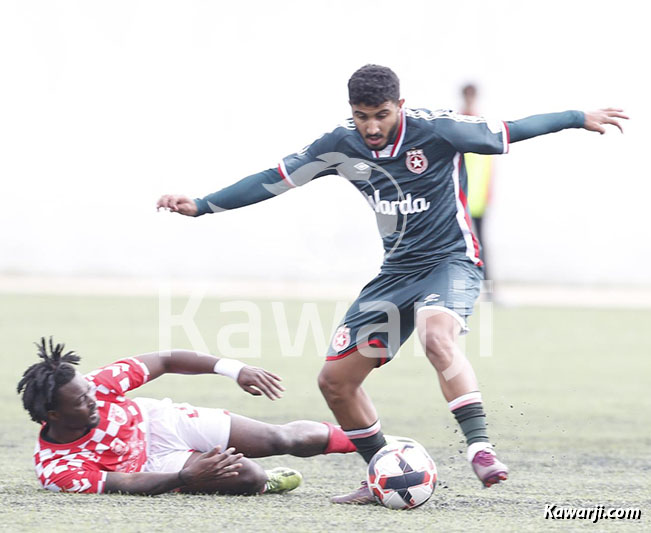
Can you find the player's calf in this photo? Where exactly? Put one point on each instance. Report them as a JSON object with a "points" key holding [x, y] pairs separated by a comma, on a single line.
{"points": [[304, 438]]}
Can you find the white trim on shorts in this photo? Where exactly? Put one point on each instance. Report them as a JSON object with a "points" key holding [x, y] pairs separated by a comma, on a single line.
{"points": [[173, 431], [463, 327]]}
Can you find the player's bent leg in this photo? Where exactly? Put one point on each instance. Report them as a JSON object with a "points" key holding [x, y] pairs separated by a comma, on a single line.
{"points": [[301, 438], [251, 479], [340, 382], [438, 331], [177, 428]]}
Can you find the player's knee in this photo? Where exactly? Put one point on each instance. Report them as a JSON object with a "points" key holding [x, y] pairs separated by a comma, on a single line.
{"points": [[440, 346], [281, 439], [334, 388], [251, 478], [325, 382]]}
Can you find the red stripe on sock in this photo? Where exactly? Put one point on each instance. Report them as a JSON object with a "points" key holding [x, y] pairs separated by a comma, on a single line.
{"points": [[337, 441]]}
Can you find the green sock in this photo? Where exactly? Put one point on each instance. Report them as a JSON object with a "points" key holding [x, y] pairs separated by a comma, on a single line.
{"points": [[472, 420]]}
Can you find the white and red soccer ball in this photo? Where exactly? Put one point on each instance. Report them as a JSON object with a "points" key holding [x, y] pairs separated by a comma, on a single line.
{"points": [[402, 475]]}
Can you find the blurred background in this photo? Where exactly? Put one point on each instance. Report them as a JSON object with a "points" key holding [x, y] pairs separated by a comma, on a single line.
{"points": [[106, 106]]}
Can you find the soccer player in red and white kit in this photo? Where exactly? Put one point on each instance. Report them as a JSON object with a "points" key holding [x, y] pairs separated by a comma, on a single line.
{"points": [[96, 439]]}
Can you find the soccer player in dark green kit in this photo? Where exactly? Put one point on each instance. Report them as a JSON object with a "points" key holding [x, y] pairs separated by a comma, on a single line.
{"points": [[408, 164]]}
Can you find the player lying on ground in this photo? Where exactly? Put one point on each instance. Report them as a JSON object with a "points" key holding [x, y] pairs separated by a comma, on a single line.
{"points": [[408, 164], [95, 439]]}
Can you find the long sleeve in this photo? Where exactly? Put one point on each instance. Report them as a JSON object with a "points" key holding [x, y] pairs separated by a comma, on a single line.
{"points": [[536, 125], [247, 191]]}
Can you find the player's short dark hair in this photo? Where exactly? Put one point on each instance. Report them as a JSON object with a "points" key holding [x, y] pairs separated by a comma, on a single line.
{"points": [[373, 85], [41, 381]]}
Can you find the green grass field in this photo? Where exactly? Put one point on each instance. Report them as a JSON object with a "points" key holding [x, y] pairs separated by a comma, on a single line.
{"points": [[566, 393]]}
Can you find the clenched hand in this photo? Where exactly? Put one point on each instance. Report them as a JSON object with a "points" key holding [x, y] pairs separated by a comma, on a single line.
{"points": [[177, 203]]}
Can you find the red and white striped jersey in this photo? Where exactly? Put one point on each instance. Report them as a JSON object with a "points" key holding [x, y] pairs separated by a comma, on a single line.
{"points": [[117, 444]]}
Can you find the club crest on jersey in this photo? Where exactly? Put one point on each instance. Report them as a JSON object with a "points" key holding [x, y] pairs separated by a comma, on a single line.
{"points": [[416, 161], [341, 340], [118, 447]]}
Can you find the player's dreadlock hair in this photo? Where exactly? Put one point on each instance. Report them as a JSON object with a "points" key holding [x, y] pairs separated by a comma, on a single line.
{"points": [[41, 381], [373, 85]]}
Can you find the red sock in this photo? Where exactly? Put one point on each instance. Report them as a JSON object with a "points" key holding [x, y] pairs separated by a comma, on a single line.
{"points": [[337, 440]]}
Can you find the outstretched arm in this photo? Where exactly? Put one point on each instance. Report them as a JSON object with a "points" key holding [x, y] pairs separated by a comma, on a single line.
{"points": [[252, 379], [247, 191], [257, 187], [536, 125]]}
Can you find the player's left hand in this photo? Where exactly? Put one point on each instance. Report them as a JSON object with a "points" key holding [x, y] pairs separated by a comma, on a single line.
{"points": [[258, 381], [596, 120], [177, 203]]}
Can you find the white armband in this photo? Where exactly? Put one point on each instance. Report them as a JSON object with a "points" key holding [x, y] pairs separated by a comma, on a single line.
{"points": [[229, 367]]}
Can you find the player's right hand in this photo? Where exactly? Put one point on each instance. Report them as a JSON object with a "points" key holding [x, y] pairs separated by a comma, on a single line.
{"points": [[258, 381], [177, 203], [210, 466], [597, 120]]}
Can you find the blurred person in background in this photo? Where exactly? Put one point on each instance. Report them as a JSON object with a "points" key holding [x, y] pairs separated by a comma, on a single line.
{"points": [[480, 173]]}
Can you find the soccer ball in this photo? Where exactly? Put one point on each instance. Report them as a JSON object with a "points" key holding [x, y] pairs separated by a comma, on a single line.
{"points": [[402, 475]]}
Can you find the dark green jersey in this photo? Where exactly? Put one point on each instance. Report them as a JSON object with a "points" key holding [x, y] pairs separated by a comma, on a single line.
{"points": [[416, 186]]}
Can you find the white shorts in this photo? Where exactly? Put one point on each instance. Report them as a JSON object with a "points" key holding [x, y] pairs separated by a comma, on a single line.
{"points": [[175, 430]]}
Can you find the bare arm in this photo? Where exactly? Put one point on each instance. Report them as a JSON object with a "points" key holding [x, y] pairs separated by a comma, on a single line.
{"points": [[210, 466], [142, 482], [178, 362], [252, 379]]}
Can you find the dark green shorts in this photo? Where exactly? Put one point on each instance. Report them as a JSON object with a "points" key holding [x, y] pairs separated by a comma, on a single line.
{"points": [[384, 314]]}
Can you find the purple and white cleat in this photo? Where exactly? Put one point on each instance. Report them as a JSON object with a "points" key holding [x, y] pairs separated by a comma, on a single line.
{"points": [[486, 465], [360, 496]]}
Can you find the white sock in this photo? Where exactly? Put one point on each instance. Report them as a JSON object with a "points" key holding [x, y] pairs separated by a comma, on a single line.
{"points": [[478, 447]]}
